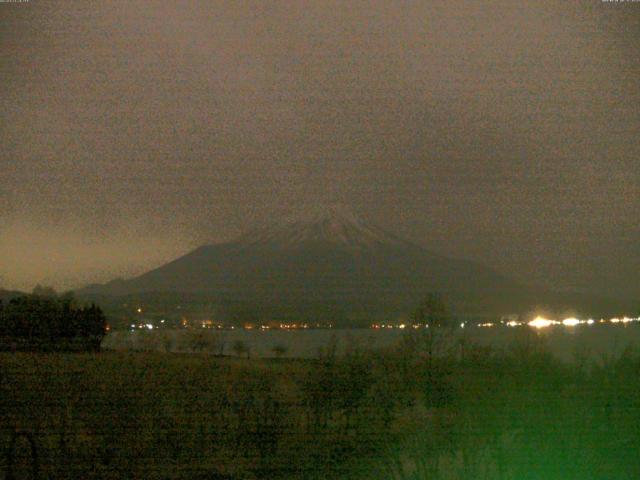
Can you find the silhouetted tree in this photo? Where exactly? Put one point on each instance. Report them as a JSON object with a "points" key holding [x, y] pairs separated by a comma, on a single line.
{"points": [[199, 340], [239, 347], [44, 320], [353, 382], [434, 340], [319, 387], [437, 322]]}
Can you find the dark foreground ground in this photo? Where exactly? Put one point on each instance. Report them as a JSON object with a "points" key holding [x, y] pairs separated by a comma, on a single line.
{"points": [[396, 414]]}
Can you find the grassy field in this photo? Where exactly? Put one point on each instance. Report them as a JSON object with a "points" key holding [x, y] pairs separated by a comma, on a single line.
{"points": [[397, 414]]}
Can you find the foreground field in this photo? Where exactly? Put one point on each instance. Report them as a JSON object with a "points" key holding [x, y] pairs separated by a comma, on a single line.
{"points": [[397, 414]]}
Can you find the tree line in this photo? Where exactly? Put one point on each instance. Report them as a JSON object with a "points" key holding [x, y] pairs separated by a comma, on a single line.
{"points": [[45, 320]]}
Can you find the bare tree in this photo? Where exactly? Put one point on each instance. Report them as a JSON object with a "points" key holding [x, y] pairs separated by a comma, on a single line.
{"points": [[437, 324], [435, 340]]}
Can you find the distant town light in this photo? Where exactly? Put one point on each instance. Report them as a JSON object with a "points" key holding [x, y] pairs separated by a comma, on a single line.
{"points": [[570, 322], [541, 322]]}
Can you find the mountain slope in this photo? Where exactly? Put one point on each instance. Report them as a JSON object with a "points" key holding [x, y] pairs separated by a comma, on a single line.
{"points": [[331, 263]]}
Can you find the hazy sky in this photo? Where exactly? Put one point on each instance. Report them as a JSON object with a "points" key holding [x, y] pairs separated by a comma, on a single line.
{"points": [[505, 132]]}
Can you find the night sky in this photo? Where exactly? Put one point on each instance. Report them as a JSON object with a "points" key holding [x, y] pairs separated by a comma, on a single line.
{"points": [[500, 131]]}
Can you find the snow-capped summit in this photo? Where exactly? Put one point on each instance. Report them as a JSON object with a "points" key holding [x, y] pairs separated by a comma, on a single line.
{"points": [[331, 227]]}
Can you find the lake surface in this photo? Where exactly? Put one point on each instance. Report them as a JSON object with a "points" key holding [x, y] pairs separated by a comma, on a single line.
{"points": [[592, 341]]}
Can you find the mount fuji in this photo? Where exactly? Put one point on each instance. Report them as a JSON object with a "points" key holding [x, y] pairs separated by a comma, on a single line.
{"points": [[330, 266]]}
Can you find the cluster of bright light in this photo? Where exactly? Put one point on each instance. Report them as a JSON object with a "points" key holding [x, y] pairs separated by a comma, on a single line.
{"points": [[541, 322], [402, 326], [613, 320], [624, 320], [390, 326], [377, 326], [571, 322], [148, 326], [290, 326]]}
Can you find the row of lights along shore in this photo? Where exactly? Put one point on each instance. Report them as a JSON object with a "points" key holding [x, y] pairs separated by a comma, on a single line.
{"points": [[538, 322]]}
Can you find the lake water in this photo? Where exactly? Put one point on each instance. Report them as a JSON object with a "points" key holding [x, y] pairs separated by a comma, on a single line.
{"points": [[593, 341]]}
